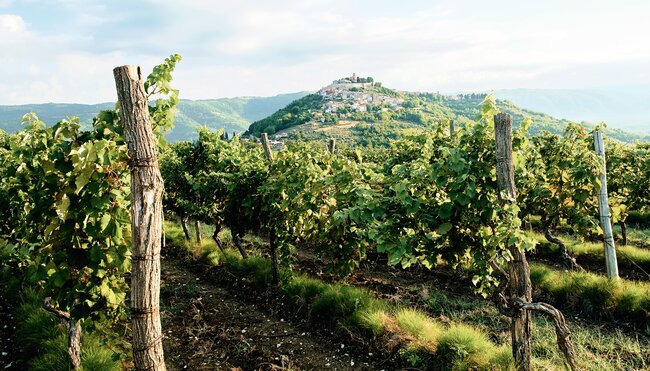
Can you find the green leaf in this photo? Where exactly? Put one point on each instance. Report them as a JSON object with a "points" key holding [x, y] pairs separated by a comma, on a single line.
{"points": [[445, 211], [444, 228], [103, 223], [83, 178], [62, 207], [95, 253]]}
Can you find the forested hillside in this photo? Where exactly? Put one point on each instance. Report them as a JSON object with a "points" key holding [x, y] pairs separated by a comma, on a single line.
{"points": [[371, 114], [231, 114]]}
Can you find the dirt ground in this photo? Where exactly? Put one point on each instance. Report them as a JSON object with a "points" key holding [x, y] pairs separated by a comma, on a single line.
{"points": [[8, 356], [212, 325]]}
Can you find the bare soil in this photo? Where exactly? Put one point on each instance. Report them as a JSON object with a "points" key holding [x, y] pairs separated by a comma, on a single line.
{"points": [[213, 321], [9, 357]]}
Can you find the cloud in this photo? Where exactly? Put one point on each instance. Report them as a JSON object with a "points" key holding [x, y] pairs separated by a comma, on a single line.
{"points": [[11, 25], [64, 50]]}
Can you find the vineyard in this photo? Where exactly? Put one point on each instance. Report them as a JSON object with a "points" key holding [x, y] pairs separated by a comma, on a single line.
{"points": [[412, 255]]}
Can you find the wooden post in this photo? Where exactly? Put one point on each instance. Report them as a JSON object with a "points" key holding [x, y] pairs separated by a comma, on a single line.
{"points": [[332, 145], [163, 241], [272, 244], [267, 146], [519, 272], [197, 229], [146, 219], [452, 128], [603, 205]]}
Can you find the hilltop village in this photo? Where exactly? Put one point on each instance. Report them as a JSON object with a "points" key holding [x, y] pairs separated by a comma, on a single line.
{"points": [[355, 94], [350, 104]]}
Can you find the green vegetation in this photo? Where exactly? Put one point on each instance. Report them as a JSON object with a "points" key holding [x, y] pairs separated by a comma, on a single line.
{"points": [[628, 255], [428, 199], [594, 295], [639, 218], [460, 342], [230, 114], [426, 342], [599, 346], [415, 110], [66, 221], [629, 183], [295, 113], [45, 341], [43, 338]]}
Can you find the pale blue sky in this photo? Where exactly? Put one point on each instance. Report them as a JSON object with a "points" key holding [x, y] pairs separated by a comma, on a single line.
{"points": [[64, 50]]}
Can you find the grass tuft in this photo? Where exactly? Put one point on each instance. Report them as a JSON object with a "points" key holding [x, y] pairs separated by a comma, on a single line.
{"points": [[375, 321], [463, 347], [629, 256], [419, 325], [43, 338], [593, 294]]}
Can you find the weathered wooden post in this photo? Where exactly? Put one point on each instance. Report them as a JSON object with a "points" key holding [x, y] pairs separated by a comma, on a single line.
{"points": [[163, 241], [518, 275], [603, 206], [197, 230], [519, 272], [267, 146], [146, 219], [272, 239], [331, 147]]}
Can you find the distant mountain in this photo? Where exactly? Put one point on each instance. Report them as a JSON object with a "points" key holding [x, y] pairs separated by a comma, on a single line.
{"points": [[622, 108], [50, 113], [368, 113], [231, 114]]}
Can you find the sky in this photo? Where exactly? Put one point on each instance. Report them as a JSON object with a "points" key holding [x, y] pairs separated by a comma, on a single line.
{"points": [[64, 50]]}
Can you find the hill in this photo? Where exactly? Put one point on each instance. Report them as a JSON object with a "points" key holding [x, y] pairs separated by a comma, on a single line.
{"points": [[624, 108], [368, 113], [232, 114]]}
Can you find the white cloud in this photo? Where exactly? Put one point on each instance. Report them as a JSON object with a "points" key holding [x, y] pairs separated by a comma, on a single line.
{"points": [[11, 25], [260, 47]]}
